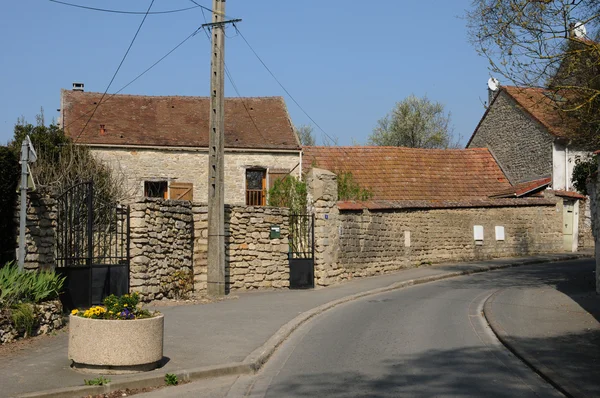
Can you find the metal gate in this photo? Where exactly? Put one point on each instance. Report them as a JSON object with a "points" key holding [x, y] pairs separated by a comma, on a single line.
{"points": [[302, 251], [92, 246]]}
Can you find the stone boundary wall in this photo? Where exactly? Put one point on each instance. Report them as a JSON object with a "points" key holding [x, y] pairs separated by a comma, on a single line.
{"points": [[161, 248], [40, 233], [364, 243], [48, 319], [254, 260]]}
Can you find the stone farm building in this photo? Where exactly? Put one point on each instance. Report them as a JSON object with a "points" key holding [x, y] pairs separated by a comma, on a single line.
{"points": [[529, 138], [160, 143]]}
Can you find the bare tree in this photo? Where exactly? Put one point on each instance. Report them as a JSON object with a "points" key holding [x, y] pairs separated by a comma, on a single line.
{"points": [[543, 43], [305, 135]]}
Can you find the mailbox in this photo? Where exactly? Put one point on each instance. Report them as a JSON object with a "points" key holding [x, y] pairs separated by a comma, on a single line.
{"points": [[275, 232]]}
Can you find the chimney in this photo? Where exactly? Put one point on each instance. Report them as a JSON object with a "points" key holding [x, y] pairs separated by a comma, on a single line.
{"points": [[102, 130], [77, 86]]}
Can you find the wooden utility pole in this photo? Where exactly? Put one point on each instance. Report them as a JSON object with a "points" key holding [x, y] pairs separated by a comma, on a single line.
{"points": [[216, 153]]}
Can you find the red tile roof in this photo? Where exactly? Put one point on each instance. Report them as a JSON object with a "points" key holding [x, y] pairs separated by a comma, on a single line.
{"points": [[155, 121], [523, 189], [542, 105], [570, 194], [394, 173]]}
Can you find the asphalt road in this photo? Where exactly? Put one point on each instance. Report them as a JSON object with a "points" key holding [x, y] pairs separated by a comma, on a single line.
{"points": [[428, 340]]}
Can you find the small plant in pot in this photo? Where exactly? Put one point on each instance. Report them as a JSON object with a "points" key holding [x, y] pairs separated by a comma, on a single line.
{"points": [[94, 331]]}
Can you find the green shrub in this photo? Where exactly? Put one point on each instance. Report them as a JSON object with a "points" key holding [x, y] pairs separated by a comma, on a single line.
{"points": [[18, 286], [98, 381], [171, 379], [23, 317], [583, 171]]}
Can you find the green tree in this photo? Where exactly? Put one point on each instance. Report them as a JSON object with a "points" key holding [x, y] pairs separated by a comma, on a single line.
{"points": [[289, 192], [542, 43], [349, 189], [414, 122], [61, 163], [305, 135]]}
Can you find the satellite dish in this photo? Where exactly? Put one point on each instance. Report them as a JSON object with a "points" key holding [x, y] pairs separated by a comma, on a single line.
{"points": [[493, 84], [579, 30]]}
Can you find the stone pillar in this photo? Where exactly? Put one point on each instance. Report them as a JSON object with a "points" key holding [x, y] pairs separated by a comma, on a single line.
{"points": [[200, 258], [40, 234], [323, 195]]}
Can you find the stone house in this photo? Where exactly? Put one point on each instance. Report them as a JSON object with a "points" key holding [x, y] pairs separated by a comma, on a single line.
{"points": [[160, 143], [528, 137], [427, 206]]}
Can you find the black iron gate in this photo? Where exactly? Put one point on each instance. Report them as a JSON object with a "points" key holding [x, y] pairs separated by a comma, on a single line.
{"points": [[302, 251], [92, 246]]}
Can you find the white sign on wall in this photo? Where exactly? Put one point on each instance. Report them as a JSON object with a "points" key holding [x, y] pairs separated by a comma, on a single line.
{"points": [[499, 232], [478, 232]]}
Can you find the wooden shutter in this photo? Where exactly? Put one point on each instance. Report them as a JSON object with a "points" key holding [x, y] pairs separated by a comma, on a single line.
{"points": [[181, 191]]}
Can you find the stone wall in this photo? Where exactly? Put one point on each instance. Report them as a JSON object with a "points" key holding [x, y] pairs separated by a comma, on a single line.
{"points": [[161, 248], [169, 243], [364, 243], [40, 234], [48, 318], [191, 166], [253, 259], [521, 146]]}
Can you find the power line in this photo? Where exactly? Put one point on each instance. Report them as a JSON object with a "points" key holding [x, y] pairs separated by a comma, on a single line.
{"points": [[117, 71], [292, 98], [281, 85], [124, 12], [140, 75], [207, 9], [230, 78]]}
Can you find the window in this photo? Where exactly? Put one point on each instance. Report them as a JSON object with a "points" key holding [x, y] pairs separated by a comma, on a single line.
{"points": [[256, 184], [156, 189]]}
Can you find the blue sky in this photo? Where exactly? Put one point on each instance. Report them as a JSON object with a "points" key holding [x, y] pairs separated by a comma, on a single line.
{"points": [[346, 62]]}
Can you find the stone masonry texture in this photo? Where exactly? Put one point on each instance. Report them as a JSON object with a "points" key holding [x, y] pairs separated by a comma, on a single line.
{"points": [[520, 144], [40, 234], [189, 166], [48, 318], [161, 248], [254, 260], [361, 243]]}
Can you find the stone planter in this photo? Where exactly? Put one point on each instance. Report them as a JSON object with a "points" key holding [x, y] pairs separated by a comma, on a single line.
{"points": [[116, 346]]}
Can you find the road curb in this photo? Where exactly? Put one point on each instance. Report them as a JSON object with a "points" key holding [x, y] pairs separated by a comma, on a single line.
{"points": [[554, 378], [261, 355]]}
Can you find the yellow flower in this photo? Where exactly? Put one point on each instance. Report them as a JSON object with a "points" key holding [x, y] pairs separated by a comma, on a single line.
{"points": [[124, 305], [74, 312]]}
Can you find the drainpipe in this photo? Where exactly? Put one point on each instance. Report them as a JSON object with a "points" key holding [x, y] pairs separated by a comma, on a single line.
{"points": [[300, 171], [567, 167]]}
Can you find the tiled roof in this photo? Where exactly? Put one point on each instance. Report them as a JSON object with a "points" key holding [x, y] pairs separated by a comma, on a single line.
{"points": [[541, 104], [523, 189], [569, 194], [395, 174], [256, 123]]}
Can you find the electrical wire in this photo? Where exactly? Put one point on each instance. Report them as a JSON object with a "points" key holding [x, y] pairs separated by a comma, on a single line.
{"points": [[117, 71], [123, 12], [294, 100], [281, 85], [138, 76], [230, 78], [207, 9]]}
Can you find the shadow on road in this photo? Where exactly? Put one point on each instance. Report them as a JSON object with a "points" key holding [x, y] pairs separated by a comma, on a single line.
{"points": [[468, 372]]}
